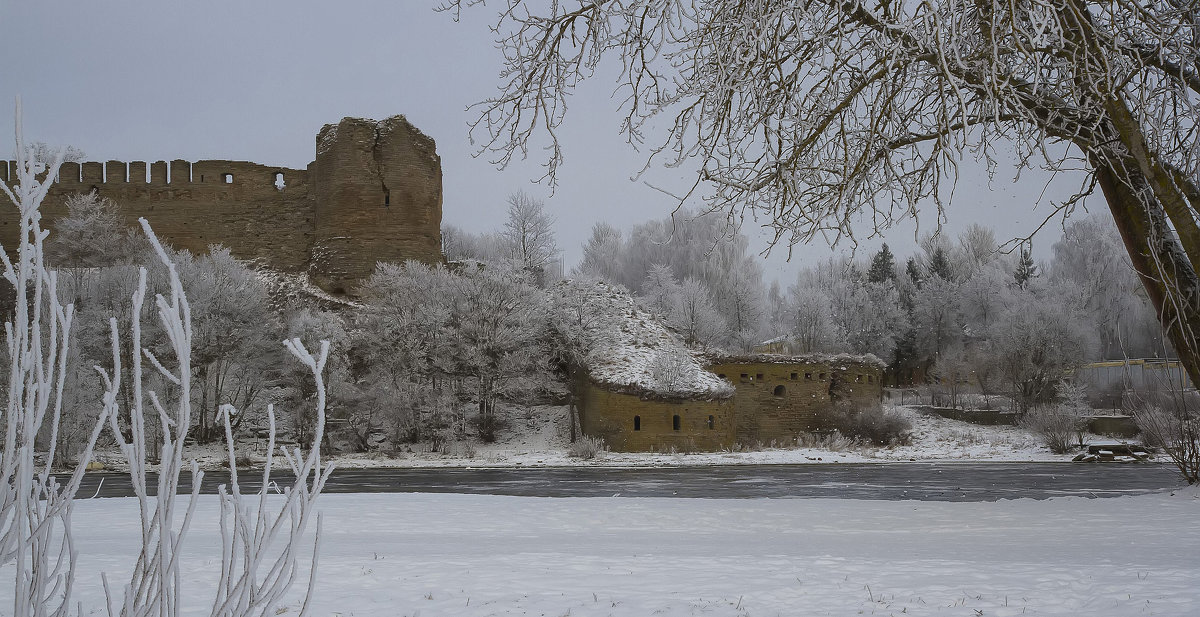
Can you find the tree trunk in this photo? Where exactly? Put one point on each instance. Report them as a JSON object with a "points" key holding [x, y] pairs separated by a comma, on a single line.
{"points": [[1158, 258]]}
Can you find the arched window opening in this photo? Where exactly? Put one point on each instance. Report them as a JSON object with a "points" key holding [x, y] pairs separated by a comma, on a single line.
{"points": [[227, 178], [637, 423], [711, 423], [779, 390], [675, 423], [279, 181]]}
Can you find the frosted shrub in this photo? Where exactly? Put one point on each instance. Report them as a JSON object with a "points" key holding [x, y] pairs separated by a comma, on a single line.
{"points": [[1055, 425], [833, 441], [874, 425], [672, 370], [587, 448], [1176, 432], [35, 507]]}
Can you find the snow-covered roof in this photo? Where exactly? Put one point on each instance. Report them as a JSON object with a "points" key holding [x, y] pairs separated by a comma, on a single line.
{"points": [[632, 351], [809, 358]]}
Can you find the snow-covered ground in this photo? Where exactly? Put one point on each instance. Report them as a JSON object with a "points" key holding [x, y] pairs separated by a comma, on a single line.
{"points": [[464, 555], [537, 437]]}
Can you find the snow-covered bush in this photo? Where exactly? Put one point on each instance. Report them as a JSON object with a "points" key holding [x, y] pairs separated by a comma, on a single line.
{"points": [[587, 448], [876, 425], [1054, 424], [673, 370], [1177, 431], [1057, 423]]}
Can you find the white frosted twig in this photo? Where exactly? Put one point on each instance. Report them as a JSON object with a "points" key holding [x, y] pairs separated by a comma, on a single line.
{"points": [[35, 509]]}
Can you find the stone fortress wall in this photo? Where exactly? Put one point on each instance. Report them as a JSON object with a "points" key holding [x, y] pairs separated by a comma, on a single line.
{"points": [[632, 423], [776, 398], [373, 193]]}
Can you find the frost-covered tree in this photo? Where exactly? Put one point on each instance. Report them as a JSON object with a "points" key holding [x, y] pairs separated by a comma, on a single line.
{"points": [[685, 246], [91, 235], [742, 306], [45, 154], [528, 235], [983, 296], [673, 370], [661, 289], [498, 327], [602, 253], [459, 245], [776, 312], [812, 326], [813, 115], [235, 337], [404, 342], [978, 248], [936, 321], [694, 314], [1036, 341], [297, 390], [576, 330], [1091, 256]]}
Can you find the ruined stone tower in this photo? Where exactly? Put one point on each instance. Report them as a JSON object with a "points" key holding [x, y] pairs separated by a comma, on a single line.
{"points": [[378, 197], [374, 193]]}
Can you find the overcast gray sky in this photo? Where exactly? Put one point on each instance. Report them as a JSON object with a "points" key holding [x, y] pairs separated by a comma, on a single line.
{"points": [[142, 80]]}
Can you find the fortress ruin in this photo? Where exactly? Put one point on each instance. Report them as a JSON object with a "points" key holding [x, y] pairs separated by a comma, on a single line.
{"points": [[775, 399], [373, 193]]}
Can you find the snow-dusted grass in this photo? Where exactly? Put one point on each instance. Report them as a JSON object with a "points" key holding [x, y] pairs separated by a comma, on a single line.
{"points": [[465, 555]]}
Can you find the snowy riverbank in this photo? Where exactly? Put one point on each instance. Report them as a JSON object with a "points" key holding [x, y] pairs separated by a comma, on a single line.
{"points": [[538, 438], [465, 555]]}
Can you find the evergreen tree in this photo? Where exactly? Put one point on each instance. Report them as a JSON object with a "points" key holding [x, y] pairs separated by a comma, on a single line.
{"points": [[914, 272], [939, 264], [1026, 269], [883, 266]]}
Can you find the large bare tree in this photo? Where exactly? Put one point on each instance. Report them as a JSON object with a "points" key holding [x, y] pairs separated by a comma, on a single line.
{"points": [[816, 113]]}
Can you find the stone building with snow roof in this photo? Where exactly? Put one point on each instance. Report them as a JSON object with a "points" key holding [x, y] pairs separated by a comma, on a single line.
{"points": [[643, 390], [773, 399]]}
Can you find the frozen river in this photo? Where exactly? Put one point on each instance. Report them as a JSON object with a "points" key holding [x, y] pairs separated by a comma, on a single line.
{"points": [[883, 481]]}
